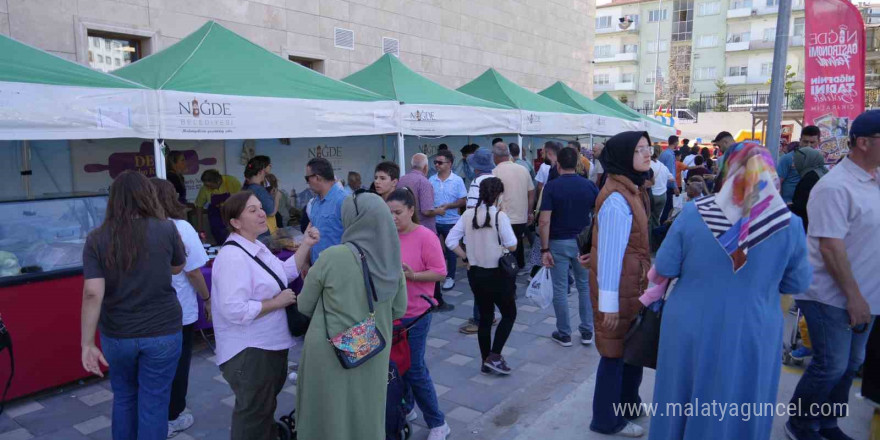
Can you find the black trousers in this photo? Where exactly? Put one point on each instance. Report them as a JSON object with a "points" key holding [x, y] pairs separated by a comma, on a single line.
{"points": [[492, 287], [181, 376], [520, 232], [256, 376]]}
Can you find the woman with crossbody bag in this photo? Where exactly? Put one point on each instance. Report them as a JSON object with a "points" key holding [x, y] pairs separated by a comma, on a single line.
{"points": [[352, 294], [250, 322], [488, 234]]}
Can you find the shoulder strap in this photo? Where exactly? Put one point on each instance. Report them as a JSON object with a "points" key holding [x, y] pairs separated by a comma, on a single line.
{"points": [[368, 286], [497, 227], [260, 262]]}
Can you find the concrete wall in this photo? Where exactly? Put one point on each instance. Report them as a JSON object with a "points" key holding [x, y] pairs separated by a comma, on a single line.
{"points": [[533, 42]]}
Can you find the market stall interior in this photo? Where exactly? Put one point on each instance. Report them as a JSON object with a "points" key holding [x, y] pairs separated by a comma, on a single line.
{"points": [[196, 106]]}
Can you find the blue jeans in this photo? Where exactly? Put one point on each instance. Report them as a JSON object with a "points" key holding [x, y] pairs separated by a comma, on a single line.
{"points": [[419, 386], [565, 256], [838, 352], [616, 383], [141, 372], [443, 231]]}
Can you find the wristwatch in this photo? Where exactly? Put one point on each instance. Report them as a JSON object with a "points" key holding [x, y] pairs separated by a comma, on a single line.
{"points": [[545, 250]]}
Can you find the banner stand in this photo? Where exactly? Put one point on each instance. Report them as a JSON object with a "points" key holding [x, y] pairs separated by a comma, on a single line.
{"points": [[401, 153], [159, 157]]}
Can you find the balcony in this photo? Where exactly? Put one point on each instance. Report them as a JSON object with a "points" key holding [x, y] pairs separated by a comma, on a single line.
{"points": [[603, 87], [735, 80], [762, 44], [767, 10], [619, 57], [615, 27], [625, 87], [738, 46], [741, 12]]}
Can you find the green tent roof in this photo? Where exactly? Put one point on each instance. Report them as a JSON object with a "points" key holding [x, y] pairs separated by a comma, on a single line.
{"points": [[492, 86], [610, 102], [25, 64], [214, 59], [389, 77], [568, 96]]}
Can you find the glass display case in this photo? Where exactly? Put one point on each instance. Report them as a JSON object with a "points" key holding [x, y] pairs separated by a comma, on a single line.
{"points": [[46, 235]]}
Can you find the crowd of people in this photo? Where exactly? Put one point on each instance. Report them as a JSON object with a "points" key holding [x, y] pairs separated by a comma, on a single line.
{"points": [[603, 220]]}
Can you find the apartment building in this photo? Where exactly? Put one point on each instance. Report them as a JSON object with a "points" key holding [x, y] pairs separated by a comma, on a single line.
{"points": [[682, 47]]}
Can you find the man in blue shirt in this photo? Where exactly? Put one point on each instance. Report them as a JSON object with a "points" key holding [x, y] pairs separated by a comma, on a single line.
{"points": [[326, 212], [565, 212], [450, 194], [788, 175]]}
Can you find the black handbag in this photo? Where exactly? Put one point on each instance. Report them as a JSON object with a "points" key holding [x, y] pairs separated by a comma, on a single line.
{"points": [[643, 338], [507, 262], [363, 340], [297, 323]]}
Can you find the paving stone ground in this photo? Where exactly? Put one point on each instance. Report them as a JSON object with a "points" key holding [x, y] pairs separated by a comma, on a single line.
{"points": [[547, 397]]}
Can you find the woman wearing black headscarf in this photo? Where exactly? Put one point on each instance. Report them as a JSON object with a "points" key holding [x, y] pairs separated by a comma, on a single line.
{"points": [[618, 276]]}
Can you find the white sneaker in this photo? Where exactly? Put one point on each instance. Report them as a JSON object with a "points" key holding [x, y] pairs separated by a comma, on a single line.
{"points": [[440, 432], [448, 284], [183, 422], [412, 416], [292, 377], [631, 430]]}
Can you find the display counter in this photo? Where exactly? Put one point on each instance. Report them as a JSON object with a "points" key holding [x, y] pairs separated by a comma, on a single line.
{"points": [[41, 242]]}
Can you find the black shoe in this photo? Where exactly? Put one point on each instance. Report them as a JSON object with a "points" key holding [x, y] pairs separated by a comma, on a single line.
{"points": [[485, 370], [444, 307], [834, 434], [797, 433], [496, 363], [586, 338], [564, 341]]}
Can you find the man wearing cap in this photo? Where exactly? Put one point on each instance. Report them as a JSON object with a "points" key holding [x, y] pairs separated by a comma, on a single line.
{"points": [[844, 296]]}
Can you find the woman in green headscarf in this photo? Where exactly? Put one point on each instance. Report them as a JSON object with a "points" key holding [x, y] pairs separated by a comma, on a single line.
{"points": [[332, 402], [810, 164]]}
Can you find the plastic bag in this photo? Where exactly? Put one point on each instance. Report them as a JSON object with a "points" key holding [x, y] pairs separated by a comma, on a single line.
{"points": [[677, 202], [540, 289]]}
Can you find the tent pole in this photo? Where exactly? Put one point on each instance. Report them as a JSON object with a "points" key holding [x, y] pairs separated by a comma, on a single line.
{"points": [[400, 151], [159, 158], [591, 136], [519, 142], [26, 167]]}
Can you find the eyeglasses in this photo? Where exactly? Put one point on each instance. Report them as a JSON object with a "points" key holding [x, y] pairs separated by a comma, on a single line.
{"points": [[648, 149], [309, 176], [439, 162]]}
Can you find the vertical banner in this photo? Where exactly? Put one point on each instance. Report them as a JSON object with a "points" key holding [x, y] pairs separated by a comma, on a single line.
{"points": [[835, 72]]}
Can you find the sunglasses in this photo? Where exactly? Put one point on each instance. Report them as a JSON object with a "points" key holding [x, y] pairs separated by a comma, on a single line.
{"points": [[439, 162]]}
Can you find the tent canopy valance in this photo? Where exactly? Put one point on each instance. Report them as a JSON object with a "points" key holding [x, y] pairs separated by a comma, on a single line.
{"points": [[611, 121], [428, 108], [43, 96], [215, 84], [654, 128], [538, 115]]}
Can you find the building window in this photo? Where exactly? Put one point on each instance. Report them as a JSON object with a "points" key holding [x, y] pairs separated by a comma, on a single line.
{"points": [[650, 78], [309, 63], [634, 18], [766, 69], [113, 50], [602, 79], [656, 15], [742, 37], [682, 20], [603, 22], [772, 3], [770, 34], [652, 46], [647, 103], [604, 51], [707, 41], [710, 8], [705, 73], [630, 48], [738, 71], [799, 24], [741, 4], [627, 78]]}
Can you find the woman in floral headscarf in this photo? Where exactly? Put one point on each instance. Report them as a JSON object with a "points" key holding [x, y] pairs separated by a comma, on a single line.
{"points": [[745, 243]]}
